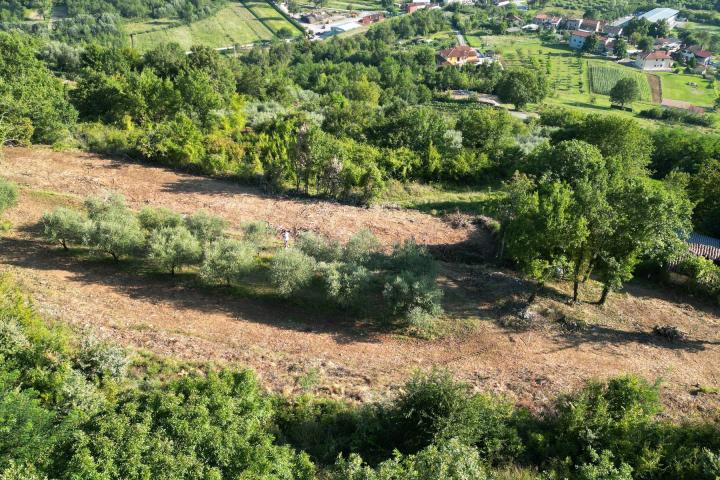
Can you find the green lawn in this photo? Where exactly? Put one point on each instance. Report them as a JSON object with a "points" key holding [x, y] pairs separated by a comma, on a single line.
{"points": [[675, 87], [232, 25], [694, 26]]}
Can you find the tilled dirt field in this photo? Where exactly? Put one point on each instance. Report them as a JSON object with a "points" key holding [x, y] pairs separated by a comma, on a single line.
{"points": [[293, 348]]}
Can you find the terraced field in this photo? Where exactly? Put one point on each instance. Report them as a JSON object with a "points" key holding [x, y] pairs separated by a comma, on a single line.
{"points": [[603, 78]]}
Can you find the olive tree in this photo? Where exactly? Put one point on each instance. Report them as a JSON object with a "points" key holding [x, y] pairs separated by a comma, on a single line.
{"points": [[291, 270], [65, 226], [113, 228], [205, 227], [227, 260], [173, 248]]}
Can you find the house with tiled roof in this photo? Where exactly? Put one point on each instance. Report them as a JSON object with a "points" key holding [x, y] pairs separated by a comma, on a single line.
{"points": [[577, 39], [704, 246], [657, 60], [460, 55], [700, 55], [547, 21]]}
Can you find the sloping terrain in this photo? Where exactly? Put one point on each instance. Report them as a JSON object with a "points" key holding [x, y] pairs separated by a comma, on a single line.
{"points": [[294, 347]]}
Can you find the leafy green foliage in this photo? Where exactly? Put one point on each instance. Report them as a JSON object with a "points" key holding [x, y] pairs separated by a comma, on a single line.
{"points": [[228, 260], [173, 248], [65, 226], [113, 229], [522, 86], [291, 270]]}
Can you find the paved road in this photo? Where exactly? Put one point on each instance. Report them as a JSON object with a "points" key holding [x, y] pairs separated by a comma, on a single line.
{"points": [[460, 38]]}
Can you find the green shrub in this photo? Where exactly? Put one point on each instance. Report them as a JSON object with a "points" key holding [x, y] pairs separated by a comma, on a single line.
{"points": [[8, 195], [155, 218], [406, 290], [613, 416], [210, 427], [362, 248], [258, 233], [205, 227], [98, 358], [65, 226], [704, 276], [318, 247], [421, 323], [346, 284], [227, 260], [291, 270], [451, 460], [411, 257], [435, 408], [602, 467], [172, 248]]}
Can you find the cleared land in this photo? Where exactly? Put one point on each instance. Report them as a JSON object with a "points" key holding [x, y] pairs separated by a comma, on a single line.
{"points": [[234, 24], [288, 343], [604, 77]]}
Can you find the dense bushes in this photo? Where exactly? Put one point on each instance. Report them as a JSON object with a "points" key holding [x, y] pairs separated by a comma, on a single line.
{"points": [[71, 408], [677, 115]]}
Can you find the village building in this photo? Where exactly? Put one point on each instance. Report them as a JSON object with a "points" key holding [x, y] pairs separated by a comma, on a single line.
{"points": [[701, 56], [462, 55], [590, 25], [372, 18], [577, 39], [547, 21], [344, 27], [573, 23], [669, 44], [658, 14], [657, 60]]}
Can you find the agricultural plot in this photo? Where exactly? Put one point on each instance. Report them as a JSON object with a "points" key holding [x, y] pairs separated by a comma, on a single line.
{"points": [[232, 25], [603, 78], [269, 17], [568, 75], [346, 4]]}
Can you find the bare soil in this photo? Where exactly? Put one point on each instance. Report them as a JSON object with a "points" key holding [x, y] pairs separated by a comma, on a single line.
{"points": [[294, 347]]}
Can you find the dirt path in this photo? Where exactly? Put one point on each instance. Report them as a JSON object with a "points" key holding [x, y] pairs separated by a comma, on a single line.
{"points": [[288, 344], [655, 88]]}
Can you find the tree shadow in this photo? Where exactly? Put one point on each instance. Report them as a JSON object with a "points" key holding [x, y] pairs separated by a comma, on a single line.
{"points": [[185, 293], [609, 336]]}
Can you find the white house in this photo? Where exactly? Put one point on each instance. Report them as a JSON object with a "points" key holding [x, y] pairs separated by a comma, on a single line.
{"points": [[577, 39], [657, 14], [657, 60]]}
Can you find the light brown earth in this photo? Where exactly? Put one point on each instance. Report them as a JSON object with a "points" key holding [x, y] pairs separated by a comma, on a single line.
{"points": [[294, 347]]}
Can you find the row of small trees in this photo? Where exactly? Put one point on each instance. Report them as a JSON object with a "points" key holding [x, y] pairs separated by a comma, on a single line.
{"points": [[349, 275]]}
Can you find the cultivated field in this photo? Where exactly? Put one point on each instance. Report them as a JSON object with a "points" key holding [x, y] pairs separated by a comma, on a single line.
{"points": [[604, 77], [233, 25], [346, 4], [289, 344], [269, 17]]}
